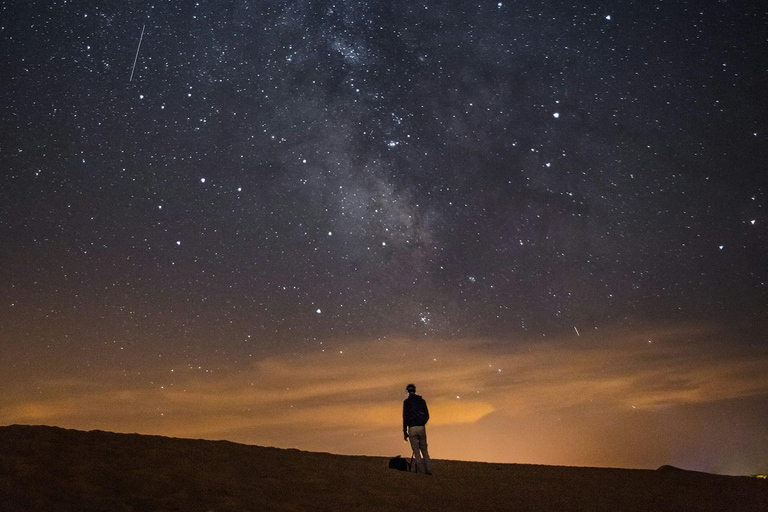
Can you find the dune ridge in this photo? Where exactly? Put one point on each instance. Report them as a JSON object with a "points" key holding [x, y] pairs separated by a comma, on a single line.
{"points": [[49, 468]]}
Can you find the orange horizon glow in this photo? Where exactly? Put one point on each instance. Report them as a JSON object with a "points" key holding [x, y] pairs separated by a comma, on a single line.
{"points": [[597, 399]]}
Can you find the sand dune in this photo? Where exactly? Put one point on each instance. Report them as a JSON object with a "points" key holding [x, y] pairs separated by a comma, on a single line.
{"points": [[52, 469]]}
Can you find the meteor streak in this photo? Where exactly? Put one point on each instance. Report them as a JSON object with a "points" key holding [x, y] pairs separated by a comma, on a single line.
{"points": [[137, 52]]}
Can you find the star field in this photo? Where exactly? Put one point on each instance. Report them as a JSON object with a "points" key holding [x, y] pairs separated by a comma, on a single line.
{"points": [[304, 179]]}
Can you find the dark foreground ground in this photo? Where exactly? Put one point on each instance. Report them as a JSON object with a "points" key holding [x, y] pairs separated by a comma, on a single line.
{"points": [[52, 469]]}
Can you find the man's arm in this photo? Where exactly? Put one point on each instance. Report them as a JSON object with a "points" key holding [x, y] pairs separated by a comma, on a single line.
{"points": [[405, 424]]}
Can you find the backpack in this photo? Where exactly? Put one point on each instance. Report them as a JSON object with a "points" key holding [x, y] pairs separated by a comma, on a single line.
{"points": [[400, 463]]}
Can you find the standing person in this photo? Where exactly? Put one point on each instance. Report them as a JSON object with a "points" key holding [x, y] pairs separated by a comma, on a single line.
{"points": [[415, 417]]}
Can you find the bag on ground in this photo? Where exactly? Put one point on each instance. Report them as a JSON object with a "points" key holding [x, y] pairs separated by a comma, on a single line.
{"points": [[399, 464]]}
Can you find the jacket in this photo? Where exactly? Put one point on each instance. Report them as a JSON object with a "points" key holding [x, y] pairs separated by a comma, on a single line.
{"points": [[415, 412]]}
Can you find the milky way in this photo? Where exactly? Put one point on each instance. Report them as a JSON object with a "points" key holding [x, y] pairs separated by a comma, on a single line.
{"points": [[292, 179]]}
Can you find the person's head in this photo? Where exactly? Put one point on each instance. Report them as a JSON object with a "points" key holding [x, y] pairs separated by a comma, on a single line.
{"points": [[411, 389]]}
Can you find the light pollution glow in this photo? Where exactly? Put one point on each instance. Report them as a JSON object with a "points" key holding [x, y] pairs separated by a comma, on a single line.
{"points": [[630, 399]]}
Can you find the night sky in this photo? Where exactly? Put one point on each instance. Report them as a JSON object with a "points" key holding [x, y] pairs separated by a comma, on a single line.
{"points": [[258, 221]]}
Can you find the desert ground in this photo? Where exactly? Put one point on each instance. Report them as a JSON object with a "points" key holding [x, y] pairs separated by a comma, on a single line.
{"points": [[56, 470]]}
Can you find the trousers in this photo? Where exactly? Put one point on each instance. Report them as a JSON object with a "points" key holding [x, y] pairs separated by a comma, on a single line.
{"points": [[418, 438]]}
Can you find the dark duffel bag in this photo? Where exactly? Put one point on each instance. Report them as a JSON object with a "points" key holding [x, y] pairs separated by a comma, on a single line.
{"points": [[400, 463]]}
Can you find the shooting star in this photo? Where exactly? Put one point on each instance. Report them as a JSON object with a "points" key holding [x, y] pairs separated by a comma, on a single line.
{"points": [[577, 331], [137, 52]]}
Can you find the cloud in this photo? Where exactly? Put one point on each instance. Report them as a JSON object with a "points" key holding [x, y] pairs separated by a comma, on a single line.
{"points": [[360, 386]]}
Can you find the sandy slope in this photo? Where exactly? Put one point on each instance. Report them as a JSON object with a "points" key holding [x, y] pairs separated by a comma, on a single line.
{"points": [[52, 469]]}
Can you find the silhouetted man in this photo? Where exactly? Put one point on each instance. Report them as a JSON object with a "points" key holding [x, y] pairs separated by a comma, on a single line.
{"points": [[415, 417]]}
